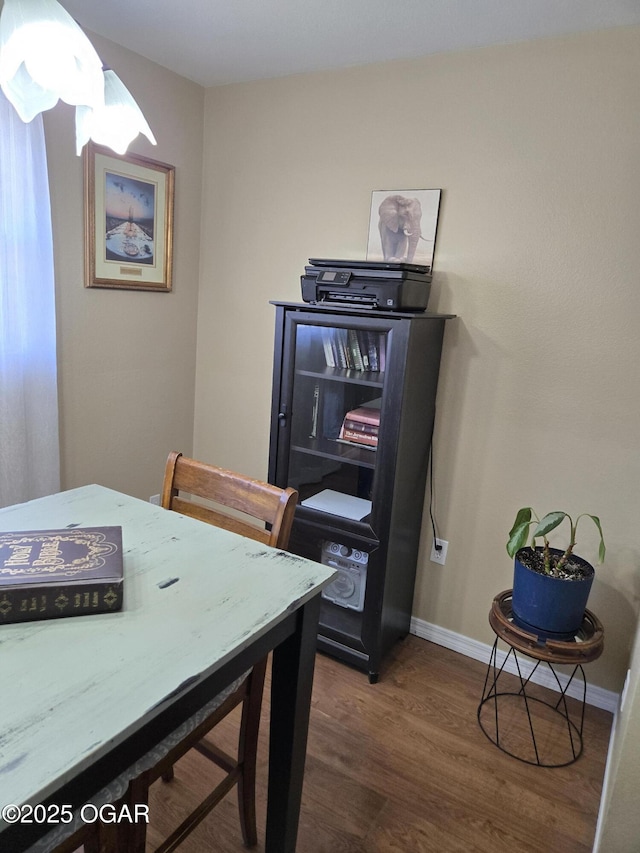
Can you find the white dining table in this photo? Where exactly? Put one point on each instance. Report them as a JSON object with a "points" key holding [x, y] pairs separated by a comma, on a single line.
{"points": [[84, 697]]}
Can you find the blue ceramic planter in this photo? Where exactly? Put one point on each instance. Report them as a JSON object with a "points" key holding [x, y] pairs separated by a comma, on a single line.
{"points": [[550, 607]]}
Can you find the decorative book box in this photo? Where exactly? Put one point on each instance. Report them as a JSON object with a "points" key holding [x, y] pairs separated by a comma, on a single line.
{"points": [[46, 574]]}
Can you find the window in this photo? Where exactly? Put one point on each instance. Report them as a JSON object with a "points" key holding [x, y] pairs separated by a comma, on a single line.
{"points": [[29, 445]]}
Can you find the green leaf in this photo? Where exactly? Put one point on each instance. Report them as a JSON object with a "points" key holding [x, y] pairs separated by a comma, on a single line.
{"points": [[523, 516], [518, 538], [602, 550], [550, 521]]}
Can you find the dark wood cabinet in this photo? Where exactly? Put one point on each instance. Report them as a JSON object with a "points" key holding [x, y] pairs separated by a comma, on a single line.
{"points": [[361, 499]]}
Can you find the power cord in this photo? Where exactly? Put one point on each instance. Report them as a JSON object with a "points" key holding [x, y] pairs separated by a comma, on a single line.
{"points": [[436, 544]]}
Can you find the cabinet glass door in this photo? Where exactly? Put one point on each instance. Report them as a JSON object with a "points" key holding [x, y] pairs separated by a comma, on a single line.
{"points": [[335, 422]]}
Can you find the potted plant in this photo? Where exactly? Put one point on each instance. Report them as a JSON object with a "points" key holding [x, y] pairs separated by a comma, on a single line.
{"points": [[550, 586]]}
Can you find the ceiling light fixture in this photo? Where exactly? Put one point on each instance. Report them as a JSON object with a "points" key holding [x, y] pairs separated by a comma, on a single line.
{"points": [[45, 57], [115, 122]]}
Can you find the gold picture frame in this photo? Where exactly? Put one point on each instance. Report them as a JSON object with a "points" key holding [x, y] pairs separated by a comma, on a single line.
{"points": [[128, 221]]}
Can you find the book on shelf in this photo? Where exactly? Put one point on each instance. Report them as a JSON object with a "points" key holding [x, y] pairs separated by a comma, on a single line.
{"points": [[47, 574], [361, 425], [343, 349], [329, 348], [368, 413], [354, 346], [372, 350], [359, 437], [314, 412], [354, 349]]}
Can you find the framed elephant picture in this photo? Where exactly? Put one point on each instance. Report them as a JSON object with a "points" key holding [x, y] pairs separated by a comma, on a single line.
{"points": [[403, 225]]}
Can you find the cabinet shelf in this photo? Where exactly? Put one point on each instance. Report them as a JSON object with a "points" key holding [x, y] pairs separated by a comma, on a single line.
{"points": [[313, 527], [338, 451], [373, 379], [375, 557]]}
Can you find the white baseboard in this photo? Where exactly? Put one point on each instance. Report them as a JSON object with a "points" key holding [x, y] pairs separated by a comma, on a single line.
{"points": [[597, 696]]}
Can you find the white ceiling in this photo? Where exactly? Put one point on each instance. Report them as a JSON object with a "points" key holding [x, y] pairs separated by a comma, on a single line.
{"points": [[225, 41]]}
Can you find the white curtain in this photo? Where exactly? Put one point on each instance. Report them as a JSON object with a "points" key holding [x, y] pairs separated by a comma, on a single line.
{"points": [[29, 445]]}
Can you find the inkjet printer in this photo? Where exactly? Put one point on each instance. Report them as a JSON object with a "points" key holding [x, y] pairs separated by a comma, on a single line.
{"points": [[367, 284]]}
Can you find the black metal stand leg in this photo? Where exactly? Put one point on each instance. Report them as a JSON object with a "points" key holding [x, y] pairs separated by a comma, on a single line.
{"points": [[523, 693], [491, 693], [565, 712]]}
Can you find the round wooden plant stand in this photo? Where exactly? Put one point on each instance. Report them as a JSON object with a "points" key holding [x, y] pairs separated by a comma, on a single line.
{"points": [[532, 728]]}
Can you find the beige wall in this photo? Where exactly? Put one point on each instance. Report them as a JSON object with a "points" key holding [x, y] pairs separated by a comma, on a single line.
{"points": [[126, 358], [535, 148]]}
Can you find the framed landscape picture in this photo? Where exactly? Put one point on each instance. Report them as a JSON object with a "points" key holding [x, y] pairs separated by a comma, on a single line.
{"points": [[402, 226], [128, 221]]}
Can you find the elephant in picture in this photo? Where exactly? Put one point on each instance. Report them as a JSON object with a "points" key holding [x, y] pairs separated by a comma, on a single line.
{"points": [[399, 227]]}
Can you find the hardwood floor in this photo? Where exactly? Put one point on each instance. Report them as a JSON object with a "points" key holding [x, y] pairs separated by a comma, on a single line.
{"points": [[402, 766]]}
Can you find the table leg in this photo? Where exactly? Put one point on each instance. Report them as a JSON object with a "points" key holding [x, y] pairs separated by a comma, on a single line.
{"points": [[291, 683]]}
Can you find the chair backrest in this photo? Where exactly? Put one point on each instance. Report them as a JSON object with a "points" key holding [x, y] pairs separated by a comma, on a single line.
{"points": [[228, 490]]}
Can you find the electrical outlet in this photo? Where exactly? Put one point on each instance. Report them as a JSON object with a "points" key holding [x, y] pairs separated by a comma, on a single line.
{"points": [[441, 555], [155, 499]]}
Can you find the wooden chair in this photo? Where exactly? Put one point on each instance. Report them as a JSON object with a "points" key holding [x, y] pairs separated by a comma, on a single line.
{"points": [[85, 837], [209, 494]]}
